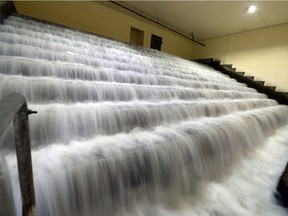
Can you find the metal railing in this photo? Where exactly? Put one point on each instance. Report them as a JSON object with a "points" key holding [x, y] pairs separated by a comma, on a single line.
{"points": [[14, 108]]}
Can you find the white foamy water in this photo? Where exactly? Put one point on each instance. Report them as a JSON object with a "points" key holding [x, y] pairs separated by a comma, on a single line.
{"points": [[248, 190], [123, 130]]}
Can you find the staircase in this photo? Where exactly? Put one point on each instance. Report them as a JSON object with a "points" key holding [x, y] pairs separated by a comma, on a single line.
{"points": [[270, 91]]}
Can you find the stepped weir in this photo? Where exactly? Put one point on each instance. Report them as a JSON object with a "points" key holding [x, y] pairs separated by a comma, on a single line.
{"points": [[123, 130]]}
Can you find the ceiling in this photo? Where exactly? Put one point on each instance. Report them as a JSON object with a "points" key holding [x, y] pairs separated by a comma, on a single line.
{"points": [[210, 19]]}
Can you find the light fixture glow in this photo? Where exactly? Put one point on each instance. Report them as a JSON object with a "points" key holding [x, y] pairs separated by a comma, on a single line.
{"points": [[251, 9]]}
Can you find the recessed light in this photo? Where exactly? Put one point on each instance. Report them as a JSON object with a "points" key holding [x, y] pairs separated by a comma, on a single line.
{"points": [[251, 9]]}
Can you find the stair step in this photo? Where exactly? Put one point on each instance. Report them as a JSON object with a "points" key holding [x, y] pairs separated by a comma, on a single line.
{"points": [[228, 65], [284, 93], [217, 62], [250, 77], [271, 87], [204, 60], [241, 73], [260, 82]]}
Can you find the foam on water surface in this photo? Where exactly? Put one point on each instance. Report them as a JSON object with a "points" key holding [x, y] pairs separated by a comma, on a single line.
{"points": [[124, 130]]}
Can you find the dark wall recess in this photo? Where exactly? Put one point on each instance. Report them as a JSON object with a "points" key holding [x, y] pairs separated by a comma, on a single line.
{"points": [[156, 42]]}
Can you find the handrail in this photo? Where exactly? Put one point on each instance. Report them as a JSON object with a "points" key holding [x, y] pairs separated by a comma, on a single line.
{"points": [[14, 107]]}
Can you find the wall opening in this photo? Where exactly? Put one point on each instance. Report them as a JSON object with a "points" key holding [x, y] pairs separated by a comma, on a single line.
{"points": [[156, 42], [136, 36]]}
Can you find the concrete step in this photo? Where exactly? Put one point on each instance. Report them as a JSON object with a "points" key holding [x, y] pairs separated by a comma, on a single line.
{"points": [[241, 73], [284, 93], [271, 87], [250, 77], [217, 62], [260, 82], [204, 61], [229, 67]]}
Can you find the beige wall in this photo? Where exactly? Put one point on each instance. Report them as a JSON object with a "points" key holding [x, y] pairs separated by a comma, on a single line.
{"points": [[262, 53], [100, 19]]}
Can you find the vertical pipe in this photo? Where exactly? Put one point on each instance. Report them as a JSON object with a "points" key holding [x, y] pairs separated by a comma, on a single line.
{"points": [[22, 144]]}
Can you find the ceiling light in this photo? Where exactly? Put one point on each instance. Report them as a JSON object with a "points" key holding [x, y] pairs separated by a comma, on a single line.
{"points": [[251, 9]]}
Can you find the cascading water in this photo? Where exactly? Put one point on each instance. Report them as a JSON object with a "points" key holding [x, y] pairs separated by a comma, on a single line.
{"points": [[123, 130]]}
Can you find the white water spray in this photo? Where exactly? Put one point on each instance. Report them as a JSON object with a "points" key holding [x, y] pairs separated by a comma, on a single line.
{"points": [[123, 130]]}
